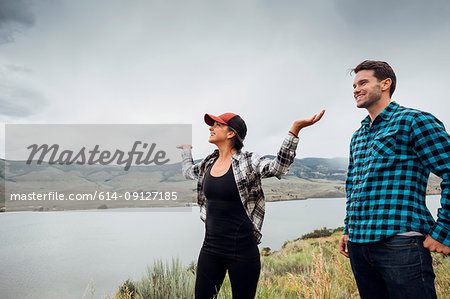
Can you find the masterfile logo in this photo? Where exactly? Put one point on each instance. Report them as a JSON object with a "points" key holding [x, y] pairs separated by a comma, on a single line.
{"points": [[95, 156], [60, 167]]}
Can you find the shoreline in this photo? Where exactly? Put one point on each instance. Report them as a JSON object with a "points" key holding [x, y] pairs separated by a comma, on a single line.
{"points": [[40, 209]]}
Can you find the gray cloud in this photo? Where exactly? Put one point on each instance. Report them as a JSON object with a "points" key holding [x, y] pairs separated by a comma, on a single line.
{"points": [[12, 68], [20, 101], [14, 15], [400, 18], [19, 98], [147, 61]]}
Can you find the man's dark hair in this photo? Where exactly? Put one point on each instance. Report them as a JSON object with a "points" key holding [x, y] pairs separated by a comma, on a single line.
{"points": [[381, 70]]}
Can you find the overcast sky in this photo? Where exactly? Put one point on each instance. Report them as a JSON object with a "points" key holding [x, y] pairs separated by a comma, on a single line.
{"points": [[145, 62]]}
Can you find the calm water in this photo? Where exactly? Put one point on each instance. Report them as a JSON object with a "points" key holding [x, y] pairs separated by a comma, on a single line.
{"points": [[57, 254]]}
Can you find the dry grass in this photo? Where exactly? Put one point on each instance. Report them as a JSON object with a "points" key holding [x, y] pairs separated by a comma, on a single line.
{"points": [[311, 268], [314, 268]]}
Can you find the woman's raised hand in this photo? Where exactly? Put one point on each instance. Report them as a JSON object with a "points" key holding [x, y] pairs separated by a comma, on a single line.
{"points": [[303, 123], [183, 146]]}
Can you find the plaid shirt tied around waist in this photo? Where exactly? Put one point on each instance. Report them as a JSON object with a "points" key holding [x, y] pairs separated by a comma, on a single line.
{"points": [[390, 162], [248, 169]]}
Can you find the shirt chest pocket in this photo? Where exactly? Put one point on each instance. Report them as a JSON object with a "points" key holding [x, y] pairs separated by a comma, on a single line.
{"points": [[383, 149]]}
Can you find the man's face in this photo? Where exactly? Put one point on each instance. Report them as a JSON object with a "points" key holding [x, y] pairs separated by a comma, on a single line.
{"points": [[366, 89]]}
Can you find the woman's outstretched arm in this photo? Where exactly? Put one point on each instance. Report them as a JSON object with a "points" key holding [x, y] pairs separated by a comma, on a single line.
{"points": [[189, 169], [280, 165]]}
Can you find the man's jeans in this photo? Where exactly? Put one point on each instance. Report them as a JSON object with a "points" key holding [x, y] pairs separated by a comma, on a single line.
{"points": [[397, 267]]}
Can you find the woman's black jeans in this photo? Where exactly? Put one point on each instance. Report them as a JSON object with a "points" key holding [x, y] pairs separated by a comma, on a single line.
{"points": [[211, 271]]}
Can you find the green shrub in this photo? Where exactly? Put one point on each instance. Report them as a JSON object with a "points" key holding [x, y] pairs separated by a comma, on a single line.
{"points": [[267, 249], [167, 281], [127, 290], [320, 233]]}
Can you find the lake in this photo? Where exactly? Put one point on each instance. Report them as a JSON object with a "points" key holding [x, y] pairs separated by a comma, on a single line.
{"points": [[57, 254]]}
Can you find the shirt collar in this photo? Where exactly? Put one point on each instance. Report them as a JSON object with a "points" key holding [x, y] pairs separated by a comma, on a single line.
{"points": [[236, 155], [386, 114], [212, 157]]}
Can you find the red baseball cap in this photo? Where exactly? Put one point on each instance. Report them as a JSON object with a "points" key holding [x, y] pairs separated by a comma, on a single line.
{"points": [[230, 119]]}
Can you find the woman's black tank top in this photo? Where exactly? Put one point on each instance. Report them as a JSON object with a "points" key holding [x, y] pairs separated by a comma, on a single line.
{"points": [[229, 231]]}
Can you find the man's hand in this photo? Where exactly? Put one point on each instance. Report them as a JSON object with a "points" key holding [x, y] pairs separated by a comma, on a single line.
{"points": [[435, 246], [343, 245]]}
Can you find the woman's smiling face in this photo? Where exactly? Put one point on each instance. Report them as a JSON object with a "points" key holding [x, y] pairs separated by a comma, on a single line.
{"points": [[219, 133]]}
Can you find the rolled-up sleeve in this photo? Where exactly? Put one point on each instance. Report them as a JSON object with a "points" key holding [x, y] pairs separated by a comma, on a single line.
{"points": [[189, 169], [280, 165]]}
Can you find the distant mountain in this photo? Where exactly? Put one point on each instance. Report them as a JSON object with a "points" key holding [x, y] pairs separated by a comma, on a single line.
{"points": [[319, 168], [307, 178]]}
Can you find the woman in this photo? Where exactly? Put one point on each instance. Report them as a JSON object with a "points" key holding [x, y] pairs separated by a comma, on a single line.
{"points": [[231, 203]]}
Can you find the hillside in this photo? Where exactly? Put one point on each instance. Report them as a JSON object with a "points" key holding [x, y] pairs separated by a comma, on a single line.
{"points": [[307, 178]]}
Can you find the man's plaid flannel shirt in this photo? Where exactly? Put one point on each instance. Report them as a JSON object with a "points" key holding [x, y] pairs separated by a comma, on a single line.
{"points": [[248, 169], [390, 162]]}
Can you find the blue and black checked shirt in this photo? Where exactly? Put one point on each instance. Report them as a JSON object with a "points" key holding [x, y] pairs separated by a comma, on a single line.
{"points": [[390, 162]]}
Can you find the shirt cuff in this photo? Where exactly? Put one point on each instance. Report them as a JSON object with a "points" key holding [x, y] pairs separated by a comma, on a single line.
{"points": [[290, 142], [186, 153], [440, 233], [292, 139], [345, 231]]}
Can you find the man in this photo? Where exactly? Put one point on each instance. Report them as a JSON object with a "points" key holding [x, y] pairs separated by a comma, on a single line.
{"points": [[389, 232]]}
